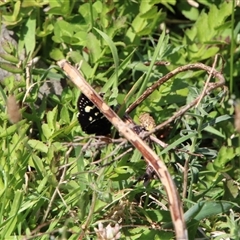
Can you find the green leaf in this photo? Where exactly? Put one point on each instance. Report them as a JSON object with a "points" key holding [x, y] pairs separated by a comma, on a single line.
{"points": [[231, 189], [225, 155], [179, 141], [29, 33], [112, 78], [151, 13], [14, 18], [212, 20], [13, 128], [158, 54], [214, 131], [81, 38], [47, 132], [64, 115], [192, 13], [94, 47], [52, 118], [11, 221], [56, 54], [38, 145], [85, 67], [32, 3], [210, 52], [10, 67], [8, 47], [9, 58], [115, 59], [63, 31], [205, 209], [59, 7]]}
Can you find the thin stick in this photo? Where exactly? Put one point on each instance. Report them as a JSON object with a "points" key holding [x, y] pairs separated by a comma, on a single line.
{"points": [[185, 178], [184, 109], [169, 75], [149, 155], [208, 80]]}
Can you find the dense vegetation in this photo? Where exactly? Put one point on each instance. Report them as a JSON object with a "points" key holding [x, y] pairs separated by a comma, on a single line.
{"points": [[56, 181]]}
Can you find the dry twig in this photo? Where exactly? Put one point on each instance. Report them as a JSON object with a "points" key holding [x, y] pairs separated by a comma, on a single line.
{"points": [[149, 155], [181, 111]]}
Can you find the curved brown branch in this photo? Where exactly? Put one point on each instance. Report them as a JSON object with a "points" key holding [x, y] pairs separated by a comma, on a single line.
{"points": [[149, 155], [169, 75]]}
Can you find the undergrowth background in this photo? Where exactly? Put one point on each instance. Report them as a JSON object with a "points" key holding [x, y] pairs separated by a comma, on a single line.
{"points": [[49, 185]]}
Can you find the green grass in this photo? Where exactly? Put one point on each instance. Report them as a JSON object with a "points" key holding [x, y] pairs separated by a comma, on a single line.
{"points": [[56, 181]]}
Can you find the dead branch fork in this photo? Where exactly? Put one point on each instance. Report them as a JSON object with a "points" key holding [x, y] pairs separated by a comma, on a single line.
{"points": [[149, 155]]}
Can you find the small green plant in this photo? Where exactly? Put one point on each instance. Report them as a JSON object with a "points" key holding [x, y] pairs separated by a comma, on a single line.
{"points": [[57, 181]]}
